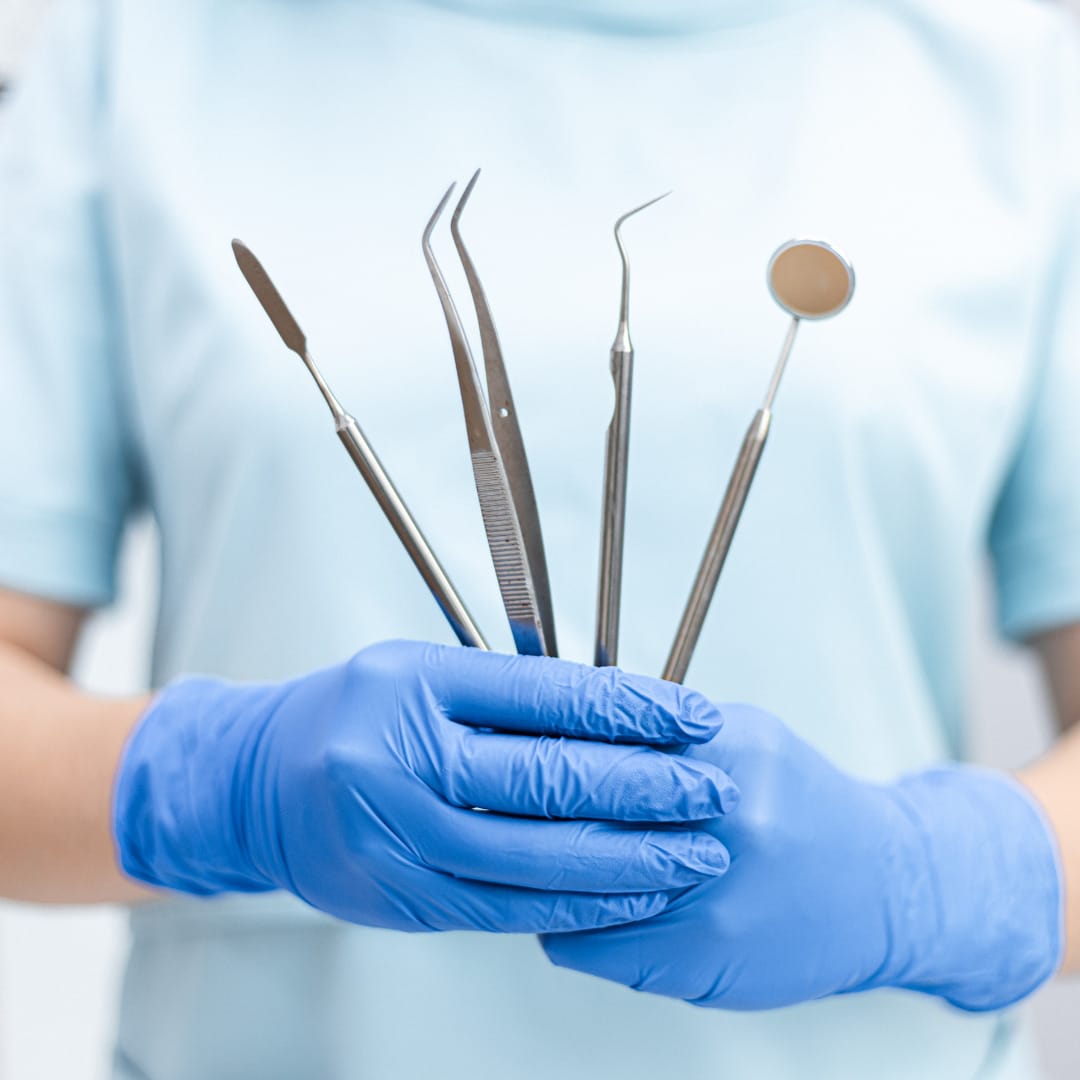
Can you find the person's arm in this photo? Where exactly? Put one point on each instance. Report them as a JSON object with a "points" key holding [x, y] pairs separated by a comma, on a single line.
{"points": [[58, 753], [1055, 778], [67, 468]]}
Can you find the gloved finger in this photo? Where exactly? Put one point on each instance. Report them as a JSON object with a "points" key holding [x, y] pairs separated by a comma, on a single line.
{"points": [[542, 696], [572, 778], [568, 856], [503, 909]]}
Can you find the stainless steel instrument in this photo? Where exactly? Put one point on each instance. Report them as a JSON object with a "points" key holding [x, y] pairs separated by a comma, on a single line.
{"points": [[500, 467], [613, 525], [363, 456], [809, 280]]}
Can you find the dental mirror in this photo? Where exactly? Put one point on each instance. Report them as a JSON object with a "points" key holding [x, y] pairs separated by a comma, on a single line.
{"points": [[809, 279]]}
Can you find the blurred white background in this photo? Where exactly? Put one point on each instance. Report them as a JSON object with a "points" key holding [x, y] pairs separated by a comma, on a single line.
{"points": [[17, 18], [60, 968]]}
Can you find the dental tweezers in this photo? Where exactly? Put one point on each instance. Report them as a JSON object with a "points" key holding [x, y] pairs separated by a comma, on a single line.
{"points": [[500, 467]]}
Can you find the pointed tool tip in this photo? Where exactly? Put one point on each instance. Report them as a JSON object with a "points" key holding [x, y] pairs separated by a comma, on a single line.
{"points": [[446, 197], [638, 209], [426, 239], [469, 188], [461, 203]]}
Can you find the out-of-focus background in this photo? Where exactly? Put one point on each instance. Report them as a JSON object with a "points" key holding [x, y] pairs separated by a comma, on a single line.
{"points": [[60, 968]]}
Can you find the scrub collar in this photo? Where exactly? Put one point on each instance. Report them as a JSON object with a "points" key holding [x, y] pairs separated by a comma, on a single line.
{"points": [[644, 17]]}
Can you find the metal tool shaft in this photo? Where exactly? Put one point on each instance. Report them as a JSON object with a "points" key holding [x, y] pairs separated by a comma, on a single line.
{"points": [[408, 532], [716, 551], [616, 459], [363, 456], [809, 279], [613, 526]]}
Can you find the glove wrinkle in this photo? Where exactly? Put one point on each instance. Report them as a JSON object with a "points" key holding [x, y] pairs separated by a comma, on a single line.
{"points": [[945, 882], [354, 788]]}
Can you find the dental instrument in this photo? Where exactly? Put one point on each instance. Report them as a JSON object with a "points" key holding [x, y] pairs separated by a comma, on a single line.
{"points": [[609, 592], [363, 456], [507, 430], [500, 468], [809, 279]]}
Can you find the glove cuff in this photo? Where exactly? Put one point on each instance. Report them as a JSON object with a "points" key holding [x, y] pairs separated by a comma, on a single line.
{"points": [[982, 906], [182, 804]]}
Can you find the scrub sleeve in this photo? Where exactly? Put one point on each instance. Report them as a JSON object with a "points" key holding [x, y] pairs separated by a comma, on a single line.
{"points": [[66, 478], [1035, 533], [1035, 529]]}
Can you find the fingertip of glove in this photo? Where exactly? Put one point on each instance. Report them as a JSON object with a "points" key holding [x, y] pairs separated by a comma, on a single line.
{"points": [[707, 855], [699, 719], [728, 795], [704, 790], [663, 712]]}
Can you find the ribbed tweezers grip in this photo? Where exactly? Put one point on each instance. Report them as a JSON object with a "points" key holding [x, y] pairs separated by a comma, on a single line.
{"points": [[507, 549]]}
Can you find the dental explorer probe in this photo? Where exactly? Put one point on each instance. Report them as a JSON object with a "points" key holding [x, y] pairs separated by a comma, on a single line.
{"points": [[613, 525], [363, 456], [809, 280]]}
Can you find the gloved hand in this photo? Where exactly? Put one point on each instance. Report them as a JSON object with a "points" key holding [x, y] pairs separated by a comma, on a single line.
{"points": [[946, 882], [354, 788]]}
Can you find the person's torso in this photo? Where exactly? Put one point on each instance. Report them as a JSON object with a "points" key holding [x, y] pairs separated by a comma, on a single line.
{"points": [[323, 134]]}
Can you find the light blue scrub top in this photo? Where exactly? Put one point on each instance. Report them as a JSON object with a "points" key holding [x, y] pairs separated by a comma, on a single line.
{"points": [[932, 140]]}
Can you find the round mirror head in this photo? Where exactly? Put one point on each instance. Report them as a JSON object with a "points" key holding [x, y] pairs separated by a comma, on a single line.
{"points": [[810, 280]]}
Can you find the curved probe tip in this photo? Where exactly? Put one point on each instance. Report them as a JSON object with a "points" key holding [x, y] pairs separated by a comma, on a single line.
{"points": [[624, 308], [637, 210]]}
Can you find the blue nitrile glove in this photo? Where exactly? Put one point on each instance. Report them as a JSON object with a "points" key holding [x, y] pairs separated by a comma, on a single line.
{"points": [[945, 882], [353, 788]]}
